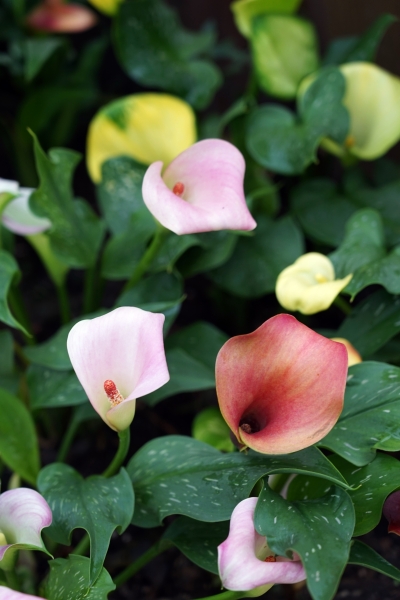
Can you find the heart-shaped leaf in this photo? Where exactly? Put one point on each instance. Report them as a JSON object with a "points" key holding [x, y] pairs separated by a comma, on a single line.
{"points": [[180, 475], [97, 504], [69, 579], [384, 271], [48, 388]]}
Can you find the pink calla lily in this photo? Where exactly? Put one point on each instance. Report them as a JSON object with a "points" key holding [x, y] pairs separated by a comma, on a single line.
{"points": [[23, 515], [7, 594], [57, 17], [391, 511], [281, 388], [119, 357], [200, 190], [245, 561]]}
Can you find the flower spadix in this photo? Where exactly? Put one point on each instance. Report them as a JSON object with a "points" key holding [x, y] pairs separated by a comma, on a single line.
{"points": [[245, 561], [200, 190], [309, 284], [281, 388], [7, 594], [119, 357], [56, 16], [23, 515]]}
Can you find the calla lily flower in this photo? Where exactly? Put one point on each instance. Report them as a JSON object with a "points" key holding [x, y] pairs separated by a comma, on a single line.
{"points": [[281, 388], [147, 127], [245, 562], [7, 594], [56, 17], [108, 7], [245, 10], [119, 357], [23, 515], [17, 216], [354, 357], [200, 190], [309, 284], [391, 512]]}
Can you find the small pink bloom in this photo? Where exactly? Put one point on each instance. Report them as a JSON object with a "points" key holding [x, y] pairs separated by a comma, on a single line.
{"points": [[56, 17], [243, 558], [119, 357], [23, 515], [7, 594], [391, 511], [200, 190], [281, 388]]}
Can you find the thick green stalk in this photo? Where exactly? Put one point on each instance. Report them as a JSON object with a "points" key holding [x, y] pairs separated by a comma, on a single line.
{"points": [[147, 258], [67, 439], [343, 305], [124, 440], [138, 564]]}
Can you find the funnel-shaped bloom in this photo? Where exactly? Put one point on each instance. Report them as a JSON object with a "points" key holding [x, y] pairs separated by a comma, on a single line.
{"points": [[281, 388], [309, 284], [354, 357], [23, 515], [119, 357], [246, 562], [147, 127], [200, 190], [56, 17], [391, 512], [17, 216], [7, 594]]}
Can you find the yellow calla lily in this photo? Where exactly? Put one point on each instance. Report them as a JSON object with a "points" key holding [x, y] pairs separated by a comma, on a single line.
{"points": [[354, 357], [309, 285], [108, 7], [147, 127], [245, 10]]}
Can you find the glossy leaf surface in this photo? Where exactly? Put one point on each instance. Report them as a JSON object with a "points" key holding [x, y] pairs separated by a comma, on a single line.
{"points": [[69, 580]]}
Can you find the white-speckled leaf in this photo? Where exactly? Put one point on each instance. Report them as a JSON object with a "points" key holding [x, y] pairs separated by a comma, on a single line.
{"points": [[179, 475], [69, 580], [49, 388], [318, 530], [97, 504]]}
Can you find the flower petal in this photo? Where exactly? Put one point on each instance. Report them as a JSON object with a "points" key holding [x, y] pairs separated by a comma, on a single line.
{"points": [[126, 346], [239, 567], [245, 10], [309, 285], [147, 127], [212, 173], [23, 515], [7, 594], [7, 185], [61, 18], [283, 380], [354, 357], [391, 512], [18, 217]]}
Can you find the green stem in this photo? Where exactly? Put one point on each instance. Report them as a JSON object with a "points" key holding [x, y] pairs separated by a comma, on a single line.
{"points": [[228, 595], [82, 548], [133, 568], [12, 580], [147, 258], [278, 482], [68, 439], [124, 440], [343, 305], [63, 303]]}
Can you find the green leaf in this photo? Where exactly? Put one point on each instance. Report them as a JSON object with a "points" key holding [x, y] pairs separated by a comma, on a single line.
{"points": [[171, 250], [76, 232], [156, 51], [197, 540], [120, 192], [363, 555], [9, 271], [179, 475], [19, 448], [69, 579], [373, 322], [283, 143], [366, 46], [318, 530], [53, 353], [216, 247], [49, 389], [37, 51], [363, 243], [97, 504], [124, 250], [385, 200], [371, 486], [210, 427], [384, 271], [9, 378], [191, 355], [321, 210], [274, 246], [285, 50], [371, 414]]}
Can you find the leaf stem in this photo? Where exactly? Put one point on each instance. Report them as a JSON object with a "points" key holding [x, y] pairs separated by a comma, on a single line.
{"points": [[68, 439], [12, 580], [134, 567], [343, 305], [63, 302], [124, 440], [18, 308], [147, 257]]}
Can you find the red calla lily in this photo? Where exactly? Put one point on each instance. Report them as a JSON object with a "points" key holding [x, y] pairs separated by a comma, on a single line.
{"points": [[391, 511], [281, 388]]}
